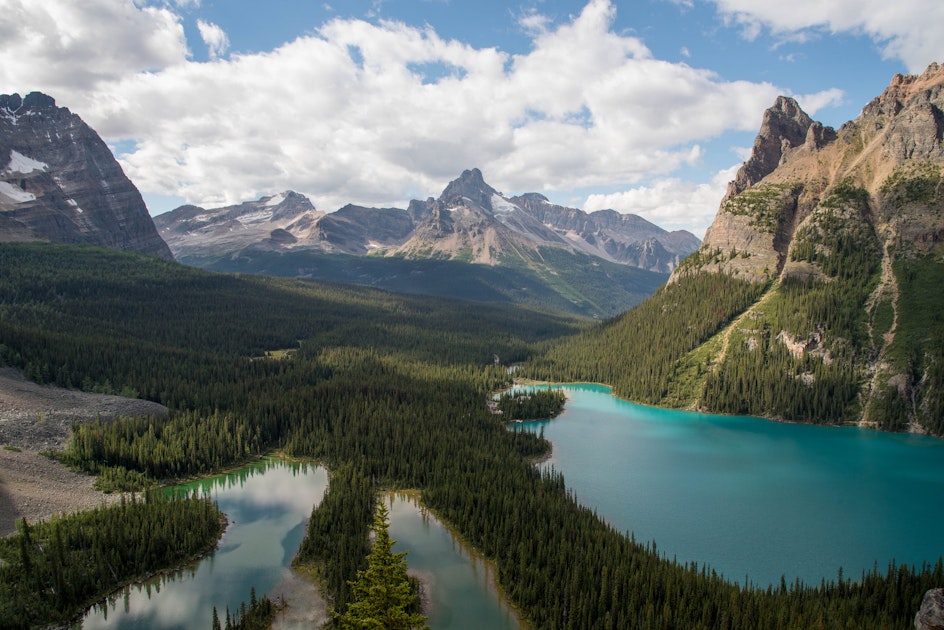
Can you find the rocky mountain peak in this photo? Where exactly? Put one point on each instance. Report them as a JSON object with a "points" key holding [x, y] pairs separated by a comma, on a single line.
{"points": [[33, 101], [784, 126], [469, 184], [909, 113]]}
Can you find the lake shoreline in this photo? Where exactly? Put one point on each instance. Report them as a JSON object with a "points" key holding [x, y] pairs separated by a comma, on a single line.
{"points": [[870, 426], [415, 497], [641, 467]]}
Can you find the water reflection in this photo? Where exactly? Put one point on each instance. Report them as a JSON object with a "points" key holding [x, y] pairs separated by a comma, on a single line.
{"points": [[267, 505], [460, 587]]}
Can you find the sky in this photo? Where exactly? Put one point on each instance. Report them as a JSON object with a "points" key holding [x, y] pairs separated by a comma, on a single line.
{"points": [[642, 106]]}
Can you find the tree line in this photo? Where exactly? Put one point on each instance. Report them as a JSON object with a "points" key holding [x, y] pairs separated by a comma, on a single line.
{"points": [[52, 569]]}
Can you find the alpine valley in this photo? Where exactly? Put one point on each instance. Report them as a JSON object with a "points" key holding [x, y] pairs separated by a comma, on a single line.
{"points": [[472, 242], [814, 298]]}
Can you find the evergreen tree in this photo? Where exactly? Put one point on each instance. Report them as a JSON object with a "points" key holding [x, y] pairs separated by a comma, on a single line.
{"points": [[382, 592]]}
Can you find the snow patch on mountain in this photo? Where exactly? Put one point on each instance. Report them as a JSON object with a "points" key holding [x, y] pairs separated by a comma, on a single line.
{"points": [[15, 193], [500, 205], [255, 217], [19, 163], [275, 200]]}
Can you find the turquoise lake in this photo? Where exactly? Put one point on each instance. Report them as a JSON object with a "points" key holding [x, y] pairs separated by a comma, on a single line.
{"points": [[752, 499]]}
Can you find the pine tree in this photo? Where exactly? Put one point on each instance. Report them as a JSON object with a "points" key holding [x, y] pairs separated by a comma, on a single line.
{"points": [[382, 592]]}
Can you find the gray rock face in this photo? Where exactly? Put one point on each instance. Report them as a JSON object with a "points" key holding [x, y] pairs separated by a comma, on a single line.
{"points": [[931, 614], [275, 222], [60, 182], [795, 161], [359, 230], [784, 126], [623, 238]]}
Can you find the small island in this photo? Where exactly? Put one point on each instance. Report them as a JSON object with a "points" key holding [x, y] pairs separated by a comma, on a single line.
{"points": [[533, 405]]}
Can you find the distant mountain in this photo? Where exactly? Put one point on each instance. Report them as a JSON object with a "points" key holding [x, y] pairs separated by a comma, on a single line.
{"points": [[471, 242], [470, 222], [817, 291], [60, 182]]}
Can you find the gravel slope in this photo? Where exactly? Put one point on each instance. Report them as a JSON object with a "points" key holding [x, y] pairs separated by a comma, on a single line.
{"points": [[34, 418]]}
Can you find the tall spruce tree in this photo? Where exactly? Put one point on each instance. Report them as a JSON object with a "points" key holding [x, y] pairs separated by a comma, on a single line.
{"points": [[383, 595]]}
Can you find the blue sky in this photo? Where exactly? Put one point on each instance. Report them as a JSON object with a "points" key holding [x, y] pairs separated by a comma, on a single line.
{"points": [[644, 106]]}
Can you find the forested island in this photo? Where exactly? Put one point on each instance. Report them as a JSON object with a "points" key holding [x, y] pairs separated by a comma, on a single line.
{"points": [[387, 391], [531, 405]]}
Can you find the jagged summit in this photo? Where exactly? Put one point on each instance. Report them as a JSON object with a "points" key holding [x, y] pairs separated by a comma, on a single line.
{"points": [[784, 126], [60, 182], [796, 163], [469, 221], [13, 104], [842, 231], [471, 185]]}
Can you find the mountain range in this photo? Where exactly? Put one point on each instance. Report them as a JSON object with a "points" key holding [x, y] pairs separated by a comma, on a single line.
{"points": [[61, 183], [471, 242], [815, 294], [469, 222]]}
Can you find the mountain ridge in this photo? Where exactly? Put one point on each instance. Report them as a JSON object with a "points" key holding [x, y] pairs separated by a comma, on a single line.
{"points": [[469, 221], [816, 285], [60, 182]]}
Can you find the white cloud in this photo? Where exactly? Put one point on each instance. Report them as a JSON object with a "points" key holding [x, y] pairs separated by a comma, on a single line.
{"points": [[67, 47], [214, 37], [670, 203], [908, 30], [347, 114], [812, 103]]}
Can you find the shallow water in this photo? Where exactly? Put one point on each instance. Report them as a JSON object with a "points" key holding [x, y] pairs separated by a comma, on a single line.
{"points": [[267, 504], [751, 498], [460, 587]]}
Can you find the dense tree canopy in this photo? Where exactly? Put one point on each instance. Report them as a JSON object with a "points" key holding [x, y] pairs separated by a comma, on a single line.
{"points": [[390, 392]]}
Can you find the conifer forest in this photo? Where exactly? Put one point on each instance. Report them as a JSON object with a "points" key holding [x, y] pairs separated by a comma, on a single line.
{"points": [[388, 392]]}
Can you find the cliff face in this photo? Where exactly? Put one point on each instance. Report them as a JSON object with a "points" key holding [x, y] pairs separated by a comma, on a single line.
{"points": [[60, 182], [797, 163], [846, 229]]}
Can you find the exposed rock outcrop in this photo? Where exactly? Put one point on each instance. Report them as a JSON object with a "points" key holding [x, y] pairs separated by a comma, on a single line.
{"points": [[784, 127], [931, 614], [853, 210], [60, 182]]}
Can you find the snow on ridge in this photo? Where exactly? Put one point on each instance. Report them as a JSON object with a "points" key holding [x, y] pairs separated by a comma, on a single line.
{"points": [[75, 204], [255, 217], [15, 193], [19, 163], [502, 205], [275, 200]]}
